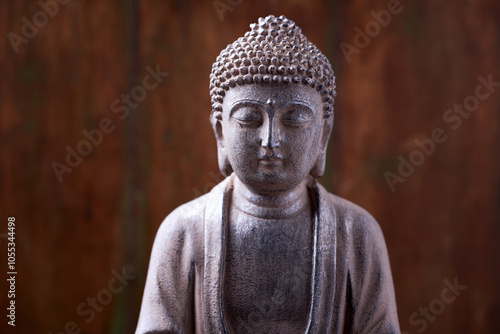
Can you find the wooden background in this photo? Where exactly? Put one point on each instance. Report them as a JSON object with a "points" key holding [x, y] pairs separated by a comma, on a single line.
{"points": [[441, 223]]}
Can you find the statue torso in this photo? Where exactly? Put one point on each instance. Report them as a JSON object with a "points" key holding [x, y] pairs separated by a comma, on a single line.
{"points": [[267, 277]]}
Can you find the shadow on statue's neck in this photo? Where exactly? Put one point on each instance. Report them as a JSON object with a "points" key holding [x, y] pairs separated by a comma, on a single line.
{"points": [[276, 205]]}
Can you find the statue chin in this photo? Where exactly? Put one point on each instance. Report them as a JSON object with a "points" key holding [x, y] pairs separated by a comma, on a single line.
{"points": [[264, 182], [271, 181]]}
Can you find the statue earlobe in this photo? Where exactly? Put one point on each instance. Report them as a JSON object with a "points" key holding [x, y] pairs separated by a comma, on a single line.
{"points": [[224, 165], [319, 165]]}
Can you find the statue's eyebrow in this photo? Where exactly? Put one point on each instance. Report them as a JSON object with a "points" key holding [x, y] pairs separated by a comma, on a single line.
{"points": [[256, 103], [299, 103], [261, 106]]}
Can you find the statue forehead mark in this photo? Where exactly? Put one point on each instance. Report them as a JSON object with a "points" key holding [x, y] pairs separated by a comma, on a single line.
{"points": [[271, 102]]}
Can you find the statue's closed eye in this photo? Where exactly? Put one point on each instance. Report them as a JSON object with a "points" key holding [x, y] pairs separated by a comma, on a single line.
{"points": [[297, 117], [247, 116]]}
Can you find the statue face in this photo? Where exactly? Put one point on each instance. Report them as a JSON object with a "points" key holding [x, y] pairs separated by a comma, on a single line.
{"points": [[272, 134]]}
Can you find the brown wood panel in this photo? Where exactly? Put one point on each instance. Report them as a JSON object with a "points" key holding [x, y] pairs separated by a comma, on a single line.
{"points": [[69, 233], [441, 223]]}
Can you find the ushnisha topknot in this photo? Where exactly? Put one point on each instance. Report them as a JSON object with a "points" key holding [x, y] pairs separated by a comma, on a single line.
{"points": [[274, 51]]}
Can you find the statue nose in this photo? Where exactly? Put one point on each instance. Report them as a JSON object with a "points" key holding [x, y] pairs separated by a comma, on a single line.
{"points": [[270, 135]]}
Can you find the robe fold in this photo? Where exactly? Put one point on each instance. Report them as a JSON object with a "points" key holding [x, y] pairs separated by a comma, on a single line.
{"points": [[352, 288]]}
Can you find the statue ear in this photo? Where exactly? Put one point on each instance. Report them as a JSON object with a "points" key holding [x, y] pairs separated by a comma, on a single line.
{"points": [[224, 165], [319, 166]]}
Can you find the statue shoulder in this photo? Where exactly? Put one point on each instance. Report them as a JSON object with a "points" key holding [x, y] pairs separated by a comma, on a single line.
{"points": [[176, 256], [358, 221], [186, 222], [183, 227], [186, 216]]}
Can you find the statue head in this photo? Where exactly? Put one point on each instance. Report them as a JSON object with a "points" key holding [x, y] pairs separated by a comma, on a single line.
{"points": [[272, 105]]}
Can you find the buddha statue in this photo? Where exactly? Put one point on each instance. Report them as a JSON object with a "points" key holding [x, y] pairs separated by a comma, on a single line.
{"points": [[269, 250]]}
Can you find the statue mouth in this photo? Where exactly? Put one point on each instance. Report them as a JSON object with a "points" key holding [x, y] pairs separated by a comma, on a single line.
{"points": [[271, 161]]}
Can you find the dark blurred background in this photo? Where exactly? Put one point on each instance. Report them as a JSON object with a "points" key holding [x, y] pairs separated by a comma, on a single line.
{"points": [[83, 219]]}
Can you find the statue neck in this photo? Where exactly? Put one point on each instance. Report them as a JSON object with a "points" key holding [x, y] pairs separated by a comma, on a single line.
{"points": [[279, 205]]}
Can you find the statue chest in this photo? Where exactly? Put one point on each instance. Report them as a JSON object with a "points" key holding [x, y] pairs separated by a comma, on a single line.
{"points": [[267, 274]]}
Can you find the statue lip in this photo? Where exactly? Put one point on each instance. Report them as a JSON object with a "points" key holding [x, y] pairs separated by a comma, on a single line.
{"points": [[270, 163], [273, 160]]}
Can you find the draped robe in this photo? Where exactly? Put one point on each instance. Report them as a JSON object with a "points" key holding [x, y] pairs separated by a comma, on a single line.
{"points": [[352, 288]]}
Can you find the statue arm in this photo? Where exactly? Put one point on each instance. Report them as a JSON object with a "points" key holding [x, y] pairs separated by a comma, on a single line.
{"points": [[372, 306], [167, 305]]}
